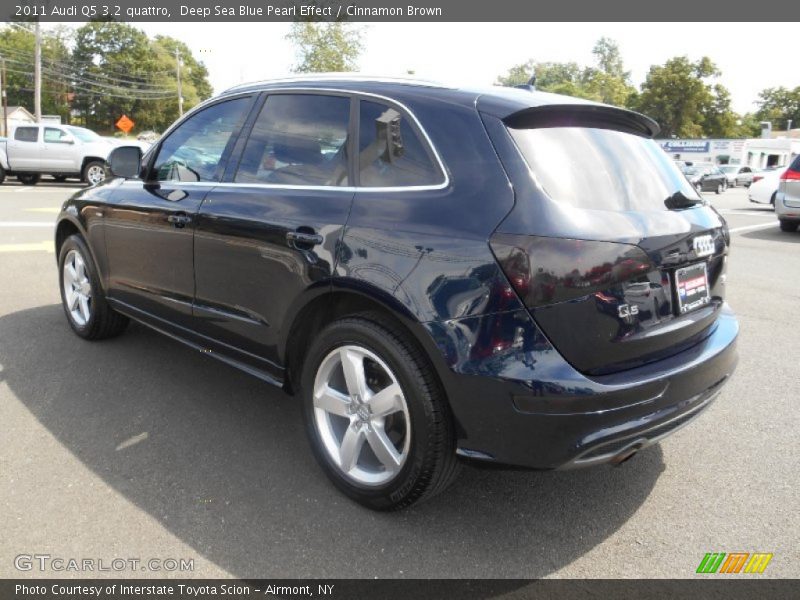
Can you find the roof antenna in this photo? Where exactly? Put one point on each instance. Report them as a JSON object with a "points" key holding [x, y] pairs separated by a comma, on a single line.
{"points": [[530, 86]]}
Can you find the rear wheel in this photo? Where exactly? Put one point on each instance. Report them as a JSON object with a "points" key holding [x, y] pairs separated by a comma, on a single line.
{"points": [[789, 225], [772, 199], [377, 421], [82, 297], [29, 178], [94, 172], [720, 188]]}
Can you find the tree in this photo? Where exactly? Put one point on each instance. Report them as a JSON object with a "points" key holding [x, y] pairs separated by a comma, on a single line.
{"points": [[17, 47], [685, 99], [559, 78], [326, 47], [778, 105], [119, 70], [607, 82]]}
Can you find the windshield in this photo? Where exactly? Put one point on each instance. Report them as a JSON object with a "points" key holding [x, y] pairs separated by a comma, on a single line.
{"points": [[84, 135], [604, 169]]}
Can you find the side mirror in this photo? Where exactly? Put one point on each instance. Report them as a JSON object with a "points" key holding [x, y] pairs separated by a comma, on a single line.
{"points": [[125, 161]]}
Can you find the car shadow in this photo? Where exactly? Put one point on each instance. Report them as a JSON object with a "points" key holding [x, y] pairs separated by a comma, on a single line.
{"points": [[220, 460], [773, 234]]}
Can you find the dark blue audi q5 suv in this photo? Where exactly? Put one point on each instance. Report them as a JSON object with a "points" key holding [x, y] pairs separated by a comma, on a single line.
{"points": [[436, 273]]}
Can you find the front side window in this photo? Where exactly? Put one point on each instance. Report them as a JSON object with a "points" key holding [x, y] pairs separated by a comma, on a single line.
{"points": [[53, 135], [26, 134], [298, 139], [390, 153], [193, 151]]}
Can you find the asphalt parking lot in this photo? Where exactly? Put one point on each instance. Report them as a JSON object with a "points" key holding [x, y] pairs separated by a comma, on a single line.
{"points": [[140, 448]]}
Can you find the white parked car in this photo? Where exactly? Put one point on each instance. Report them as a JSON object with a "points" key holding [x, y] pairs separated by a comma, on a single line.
{"points": [[51, 149], [764, 190], [738, 175]]}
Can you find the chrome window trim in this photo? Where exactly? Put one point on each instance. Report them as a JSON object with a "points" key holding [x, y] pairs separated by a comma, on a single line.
{"points": [[350, 189]]}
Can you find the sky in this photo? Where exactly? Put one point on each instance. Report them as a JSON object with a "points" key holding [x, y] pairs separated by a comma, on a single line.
{"points": [[751, 56]]}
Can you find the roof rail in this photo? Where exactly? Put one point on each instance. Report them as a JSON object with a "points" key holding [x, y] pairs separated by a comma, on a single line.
{"points": [[340, 76]]}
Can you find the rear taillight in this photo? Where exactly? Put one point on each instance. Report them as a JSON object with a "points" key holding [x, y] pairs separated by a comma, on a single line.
{"points": [[791, 175], [546, 270]]}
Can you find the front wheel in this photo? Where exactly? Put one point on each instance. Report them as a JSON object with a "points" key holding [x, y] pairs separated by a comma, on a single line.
{"points": [[82, 297], [789, 225], [378, 423], [94, 172], [29, 178]]}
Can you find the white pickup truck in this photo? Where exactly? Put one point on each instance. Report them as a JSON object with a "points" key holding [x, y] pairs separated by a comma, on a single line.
{"points": [[58, 150]]}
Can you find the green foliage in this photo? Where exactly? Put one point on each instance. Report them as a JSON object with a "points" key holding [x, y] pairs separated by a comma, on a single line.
{"points": [[17, 48], [326, 47], [686, 100], [112, 69], [606, 82], [779, 105]]}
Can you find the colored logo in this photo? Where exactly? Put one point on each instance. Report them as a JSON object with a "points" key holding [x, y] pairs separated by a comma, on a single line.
{"points": [[735, 562]]}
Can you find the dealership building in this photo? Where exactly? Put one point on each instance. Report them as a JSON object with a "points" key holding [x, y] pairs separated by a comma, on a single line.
{"points": [[757, 152]]}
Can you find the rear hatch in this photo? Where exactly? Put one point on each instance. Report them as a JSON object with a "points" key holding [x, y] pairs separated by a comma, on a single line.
{"points": [[617, 257]]}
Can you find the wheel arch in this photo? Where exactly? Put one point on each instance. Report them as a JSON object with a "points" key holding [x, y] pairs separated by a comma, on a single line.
{"points": [[345, 299], [88, 159], [67, 226]]}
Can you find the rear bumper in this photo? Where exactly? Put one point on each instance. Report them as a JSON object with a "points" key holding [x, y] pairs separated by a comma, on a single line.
{"points": [[525, 405]]}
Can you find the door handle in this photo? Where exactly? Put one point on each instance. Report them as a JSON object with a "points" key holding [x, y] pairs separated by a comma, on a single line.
{"points": [[302, 238], [179, 220]]}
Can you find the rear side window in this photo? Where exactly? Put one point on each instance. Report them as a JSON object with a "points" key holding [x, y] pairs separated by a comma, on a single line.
{"points": [[26, 134], [603, 169], [298, 139], [391, 153]]}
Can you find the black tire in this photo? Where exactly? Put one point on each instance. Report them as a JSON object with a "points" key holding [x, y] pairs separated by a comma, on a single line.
{"points": [[720, 188], [103, 322], [29, 178], [60, 178], [772, 199], [431, 463], [789, 225], [87, 169]]}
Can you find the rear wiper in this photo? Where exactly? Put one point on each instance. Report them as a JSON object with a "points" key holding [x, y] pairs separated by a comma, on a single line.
{"points": [[679, 200]]}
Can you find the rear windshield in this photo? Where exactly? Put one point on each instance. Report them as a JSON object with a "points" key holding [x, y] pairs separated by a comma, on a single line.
{"points": [[603, 169]]}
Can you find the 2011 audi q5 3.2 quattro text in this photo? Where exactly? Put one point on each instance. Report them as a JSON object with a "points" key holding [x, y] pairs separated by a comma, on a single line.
{"points": [[438, 274]]}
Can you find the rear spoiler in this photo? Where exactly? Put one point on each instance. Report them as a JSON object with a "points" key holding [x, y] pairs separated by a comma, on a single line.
{"points": [[598, 116]]}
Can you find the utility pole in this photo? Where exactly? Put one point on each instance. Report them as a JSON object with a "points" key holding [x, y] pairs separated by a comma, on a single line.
{"points": [[5, 98], [180, 88], [3, 93], [37, 74]]}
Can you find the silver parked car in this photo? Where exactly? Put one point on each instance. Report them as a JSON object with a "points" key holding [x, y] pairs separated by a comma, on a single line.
{"points": [[738, 175], [787, 201]]}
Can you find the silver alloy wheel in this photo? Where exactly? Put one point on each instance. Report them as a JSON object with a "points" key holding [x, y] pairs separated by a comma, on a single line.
{"points": [[361, 415], [77, 288], [95, 174]]}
